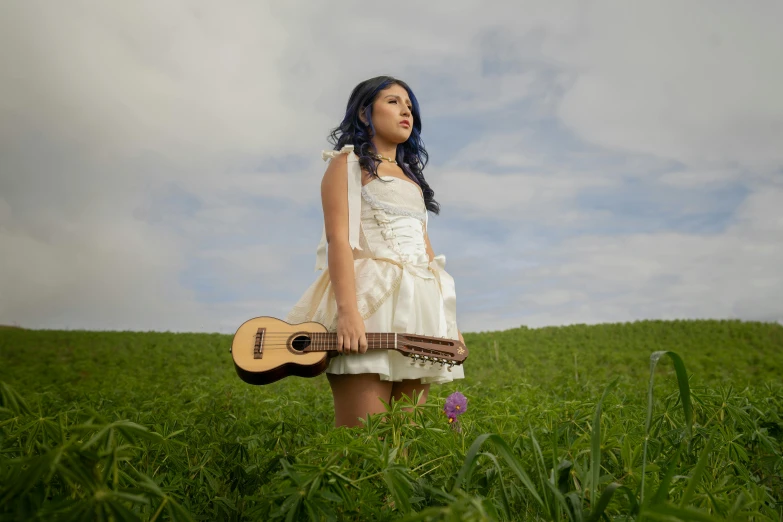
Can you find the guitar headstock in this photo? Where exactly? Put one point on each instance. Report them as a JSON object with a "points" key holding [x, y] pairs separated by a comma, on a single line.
{"points": [[434, 350]]}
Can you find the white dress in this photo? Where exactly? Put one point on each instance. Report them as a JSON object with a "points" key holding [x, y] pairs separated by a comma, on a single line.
{"points": [[397, 288]]}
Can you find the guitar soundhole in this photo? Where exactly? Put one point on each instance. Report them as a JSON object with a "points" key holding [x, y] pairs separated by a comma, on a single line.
{"points": [[300, 343]]}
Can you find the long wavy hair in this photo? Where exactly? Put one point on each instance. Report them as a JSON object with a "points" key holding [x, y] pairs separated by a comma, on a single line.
{"points": [[412, 157]]}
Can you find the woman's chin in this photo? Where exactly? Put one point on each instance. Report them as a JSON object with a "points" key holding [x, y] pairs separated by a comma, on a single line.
{"points": [[395, 137], [402, 138]]}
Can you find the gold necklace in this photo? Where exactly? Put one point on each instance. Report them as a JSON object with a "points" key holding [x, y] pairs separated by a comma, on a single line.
{"points": [[390, 160]]}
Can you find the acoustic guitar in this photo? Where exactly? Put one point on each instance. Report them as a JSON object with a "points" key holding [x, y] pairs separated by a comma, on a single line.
{"points": [[266, 349]]}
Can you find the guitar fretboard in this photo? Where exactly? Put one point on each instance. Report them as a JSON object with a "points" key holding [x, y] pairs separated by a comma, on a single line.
{"points": [[327, 341]]}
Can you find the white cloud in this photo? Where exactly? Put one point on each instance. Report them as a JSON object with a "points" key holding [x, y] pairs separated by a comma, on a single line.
{"points": [[513, 196], [156, 76], [693, 82], [94, 275], [696, 178], [733, 274]]}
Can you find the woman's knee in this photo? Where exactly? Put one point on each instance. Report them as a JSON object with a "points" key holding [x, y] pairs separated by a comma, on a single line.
{"points": [[356, 395], [409, 388]]}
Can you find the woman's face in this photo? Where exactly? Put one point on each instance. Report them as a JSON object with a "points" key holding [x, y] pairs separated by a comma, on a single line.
{"points": [[392, 114]]}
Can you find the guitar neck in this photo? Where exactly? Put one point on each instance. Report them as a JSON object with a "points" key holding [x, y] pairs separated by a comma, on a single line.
{"points": [[327, 341]]}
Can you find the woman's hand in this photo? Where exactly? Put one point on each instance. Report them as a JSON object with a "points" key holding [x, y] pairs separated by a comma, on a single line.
{"points": [[351, 338]]}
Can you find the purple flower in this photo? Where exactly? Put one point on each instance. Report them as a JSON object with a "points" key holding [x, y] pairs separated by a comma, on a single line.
{"points": [[456, 405]]}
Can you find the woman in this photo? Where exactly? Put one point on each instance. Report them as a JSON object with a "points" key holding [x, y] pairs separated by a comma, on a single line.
{"points": [[382, 274]]}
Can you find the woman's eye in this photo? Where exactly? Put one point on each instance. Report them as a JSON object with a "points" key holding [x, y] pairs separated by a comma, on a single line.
{"points": [[410, 108]]}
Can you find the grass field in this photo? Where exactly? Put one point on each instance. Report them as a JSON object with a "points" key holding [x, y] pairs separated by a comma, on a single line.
{"points": [[157, 426]]}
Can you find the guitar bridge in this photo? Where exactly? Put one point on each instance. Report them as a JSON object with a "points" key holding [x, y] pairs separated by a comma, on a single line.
{"points": [[258, 349]]}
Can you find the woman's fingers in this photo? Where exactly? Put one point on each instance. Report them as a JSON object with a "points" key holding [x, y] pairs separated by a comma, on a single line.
{"points": [[349, 344]]}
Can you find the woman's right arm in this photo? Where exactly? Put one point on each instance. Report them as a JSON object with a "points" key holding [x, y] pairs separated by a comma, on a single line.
{"points": [[334, 199]]}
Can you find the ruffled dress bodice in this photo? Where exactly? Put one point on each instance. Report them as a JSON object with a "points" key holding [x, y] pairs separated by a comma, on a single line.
{"points": [[393, 218]]}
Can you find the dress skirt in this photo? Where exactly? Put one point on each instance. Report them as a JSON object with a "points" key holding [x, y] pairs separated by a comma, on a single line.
{"points": [[391, 299]]}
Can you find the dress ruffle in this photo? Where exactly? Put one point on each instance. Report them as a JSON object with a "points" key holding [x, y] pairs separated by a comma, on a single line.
{"points": [[376, 280]]}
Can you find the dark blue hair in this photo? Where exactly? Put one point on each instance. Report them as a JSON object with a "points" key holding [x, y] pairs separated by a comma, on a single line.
{"points": [[412, 157]]}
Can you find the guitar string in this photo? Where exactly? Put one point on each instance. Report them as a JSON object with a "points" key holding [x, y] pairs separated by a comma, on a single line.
{"points": [[284, 344], [438, 355], [285, 347], [434, 356], [269, 339], [332, 336], [390, 334], [375, 338]]}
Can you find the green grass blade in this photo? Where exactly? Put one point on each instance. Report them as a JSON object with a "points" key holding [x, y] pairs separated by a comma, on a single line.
{"points": [[504, 494], [666, 511], [732, 515], [555, 467], [663, 488], [595, 445], [10, 398], [560, 500], [470, 461], [697, 472], [685, 397], [541, 471], [400, 486], [600, 506], [575, 512], [682, 382], [506, 453]]}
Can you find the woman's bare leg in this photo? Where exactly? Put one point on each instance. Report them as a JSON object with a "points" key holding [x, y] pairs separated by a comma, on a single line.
{"points": [[357, 395], [407, 387]]}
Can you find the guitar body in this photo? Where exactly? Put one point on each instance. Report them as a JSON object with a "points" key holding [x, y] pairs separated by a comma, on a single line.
{"points": [[266, 349]]}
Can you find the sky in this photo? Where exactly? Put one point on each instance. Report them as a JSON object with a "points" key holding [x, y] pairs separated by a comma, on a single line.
{"points": [[595, 162]]}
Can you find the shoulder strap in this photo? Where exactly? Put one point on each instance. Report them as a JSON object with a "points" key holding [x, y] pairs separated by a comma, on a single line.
{"points": [[354, 203]]}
